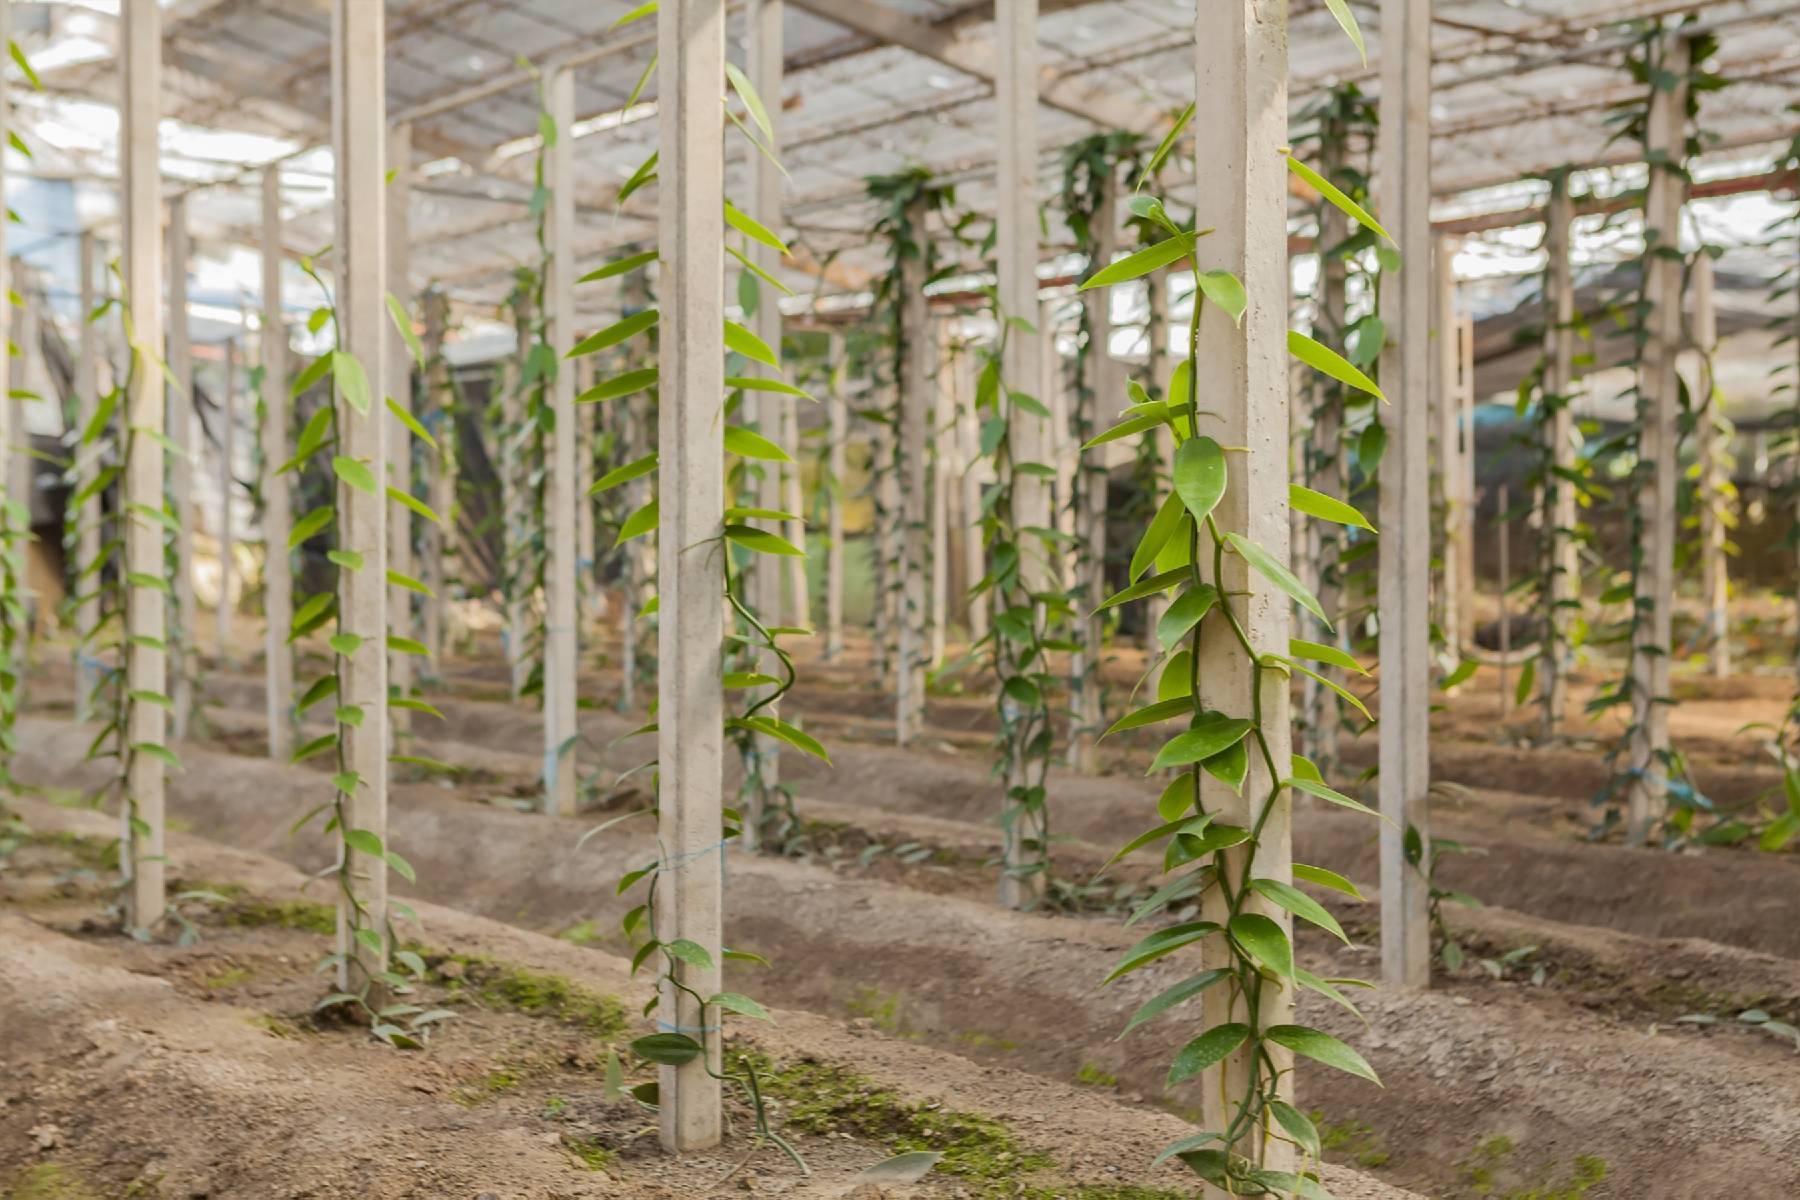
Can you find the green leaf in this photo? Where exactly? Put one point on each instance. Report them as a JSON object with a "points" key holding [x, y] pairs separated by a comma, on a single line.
{"points": [[411, 422], [1326, 792], [346, 644], [1300, 904], [793, 735], [1143, 262], [349, 560], [762, 541], [766, 383], [620, 266], [1334, 194], [1326, 508], [1162, 527], [352, 381], [690, 952], [637, 524], [620, 385], [403, 323], [1180, 994], [1200, 475], [1344, 693], [1162, 710], [396, 579], [1298, 1126], [1324, 878], [1321, 1047], [1265, 565], [1224, 290], [668, 1049], [406, 645], [1186, 612], [1144, 587], [412, 503], [1211, 733], [740, 83], [1209, 1049], [615, 333], [1263, 940], [753, 229], [1176, 680], [1161, 944], [1321, 652], [747, 443], [741, 1004], [1327, 361], [354, 473], [363, 841], [749, 345], [1123, 429], [636, 469]]}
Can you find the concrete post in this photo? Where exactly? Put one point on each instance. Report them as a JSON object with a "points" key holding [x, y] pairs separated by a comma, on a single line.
{"points": [[1241, 81], [227, 484], [436, 540], [359, 137], [1447, 408], [146, 627], [763, 53], [914, 386], [690, 486], [1405, 508], [837, 416], [514, 471], [1101, 395], [1562, 568], [562, 644], [184, 647], [278, 570], [1658, 474], [1016, 94], [1715, 479], [940, 457], [87, 469], [398, 387]]}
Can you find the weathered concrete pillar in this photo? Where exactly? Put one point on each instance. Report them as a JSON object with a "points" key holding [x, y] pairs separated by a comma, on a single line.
{"points": [[87, 468], [562, 643], [914, 386], [359, 141], [227, 484], [1101, 395], [1446, 392], [1241, 374], [690, 486], [437, 539], [1404, 172], [146, 408], [278, 569], [1016, 95], [184, 646], [1562, 567], [1658, 474], [837, 431], [1715, 478], [398, 385]]}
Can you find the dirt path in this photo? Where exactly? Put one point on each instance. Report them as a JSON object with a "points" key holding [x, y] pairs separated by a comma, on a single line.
{"points": [[1537, 1067], [195, 1071]]}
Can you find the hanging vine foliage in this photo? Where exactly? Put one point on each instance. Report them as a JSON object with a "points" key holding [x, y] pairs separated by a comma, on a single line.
{"points": [[1183, 551], [756, 715]]}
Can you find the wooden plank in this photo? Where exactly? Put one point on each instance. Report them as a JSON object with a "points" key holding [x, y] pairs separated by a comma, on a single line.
{"points": [[146, 624], [562, 642], [359, 136], [1241, 85], [1658, 455], [278, 570], [690, 488], [1404, 589]]}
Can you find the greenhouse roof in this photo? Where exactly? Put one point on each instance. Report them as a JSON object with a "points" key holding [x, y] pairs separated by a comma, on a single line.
{"points": [[1519, 87]]}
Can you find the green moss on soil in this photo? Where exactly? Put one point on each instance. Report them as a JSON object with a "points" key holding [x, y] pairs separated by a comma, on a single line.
{"points": [[49, 1181], [229, 978], [499, 985], [593, 1153], [306, 915], [818, 1098], [99, 854]]}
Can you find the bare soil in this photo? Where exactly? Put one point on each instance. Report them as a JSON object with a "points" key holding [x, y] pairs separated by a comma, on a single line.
{"points": [[1590, 1046]]}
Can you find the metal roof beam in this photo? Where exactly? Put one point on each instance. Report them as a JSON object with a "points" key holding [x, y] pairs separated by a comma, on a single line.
{"points": [[976, 58]]}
